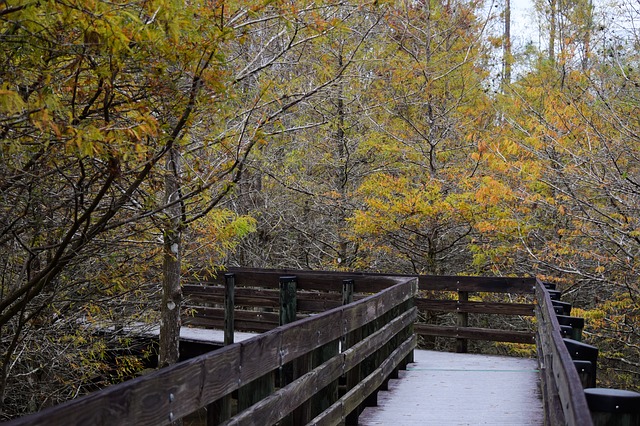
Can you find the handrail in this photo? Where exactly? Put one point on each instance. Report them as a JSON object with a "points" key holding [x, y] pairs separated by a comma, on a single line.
{"points": [[379, 337], [462, 287], [257, 295], [374, 337], [565, 401], [259, 290]]}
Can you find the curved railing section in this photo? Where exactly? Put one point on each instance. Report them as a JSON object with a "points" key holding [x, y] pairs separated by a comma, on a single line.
{"points": [[562, 389], [329, 341], [308, 371]]}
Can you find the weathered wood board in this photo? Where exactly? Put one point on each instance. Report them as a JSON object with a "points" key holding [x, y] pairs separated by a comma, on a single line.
{"points": [[443, 388]]}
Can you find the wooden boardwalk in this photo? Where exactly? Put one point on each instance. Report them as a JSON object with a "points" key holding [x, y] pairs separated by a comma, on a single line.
{"points": [[460, 389]]}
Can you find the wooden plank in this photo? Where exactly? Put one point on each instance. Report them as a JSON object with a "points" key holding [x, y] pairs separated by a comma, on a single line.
{"points": [[369, 308], [261, 298], [478, 284], [443, 388], [554, 413], [308, 280], [358, 352], [155, 399], [475, 333], [214, 295], [309, 334], [318, 302], [243, 320], [475, 307], [240, 325], [278, 405], [371, 283], [239, 314], [354, 397], [260, 355]]}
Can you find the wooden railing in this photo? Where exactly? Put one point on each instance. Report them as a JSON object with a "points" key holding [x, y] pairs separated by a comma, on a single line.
{"points": [[328, 342], [257, 298], [460, 296], [320, 370], [472, 295], [257, 295], [562, 389]]}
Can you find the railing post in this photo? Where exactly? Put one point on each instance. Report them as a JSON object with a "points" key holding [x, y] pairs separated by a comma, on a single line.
{"points": [[347, 291], [220, 410], [330, 394], [576, 324], [288, 301], [288, 308], [347, 297], [229, 308], [463, 321], [265, 385], [613, 407], [298, 367], [582, 352], [353, 376], [409, 305]]}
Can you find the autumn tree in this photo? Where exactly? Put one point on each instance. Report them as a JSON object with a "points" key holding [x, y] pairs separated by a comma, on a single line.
{"points": [[302, 187], [431, 108], [574, 140], [124, 126]]}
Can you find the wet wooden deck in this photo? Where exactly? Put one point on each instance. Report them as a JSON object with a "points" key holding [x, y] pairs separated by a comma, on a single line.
{"points": [[460, 389]]}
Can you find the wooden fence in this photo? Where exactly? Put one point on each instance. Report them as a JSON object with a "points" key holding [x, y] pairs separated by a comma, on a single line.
{"points": [[328, 342], [436, 296], [257, 295], [322, 369], [564, 397], [562, 389], [257, 300]]}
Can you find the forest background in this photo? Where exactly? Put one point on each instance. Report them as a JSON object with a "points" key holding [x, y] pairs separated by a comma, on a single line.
{"points": [[147, 140]]}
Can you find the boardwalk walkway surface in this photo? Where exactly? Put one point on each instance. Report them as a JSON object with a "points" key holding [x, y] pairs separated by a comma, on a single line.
{"points": [[460, 389]]}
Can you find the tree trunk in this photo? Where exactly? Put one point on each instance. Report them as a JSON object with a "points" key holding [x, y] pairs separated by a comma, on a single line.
{"points": [[171, 290], [553, 11], [507, 56]]}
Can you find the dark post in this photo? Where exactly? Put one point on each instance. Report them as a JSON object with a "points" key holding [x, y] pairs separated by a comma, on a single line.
{"points": [[220, 410], [566, 306], [229, 306], [555, 294], [582, 352], [253, 392], [463, 321], [585, 372], [347, 297], [288, 309], [261, 387], [347, 292], [353, 376], [613, 407], [288, 301], [576, 324], [329, 395]]}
